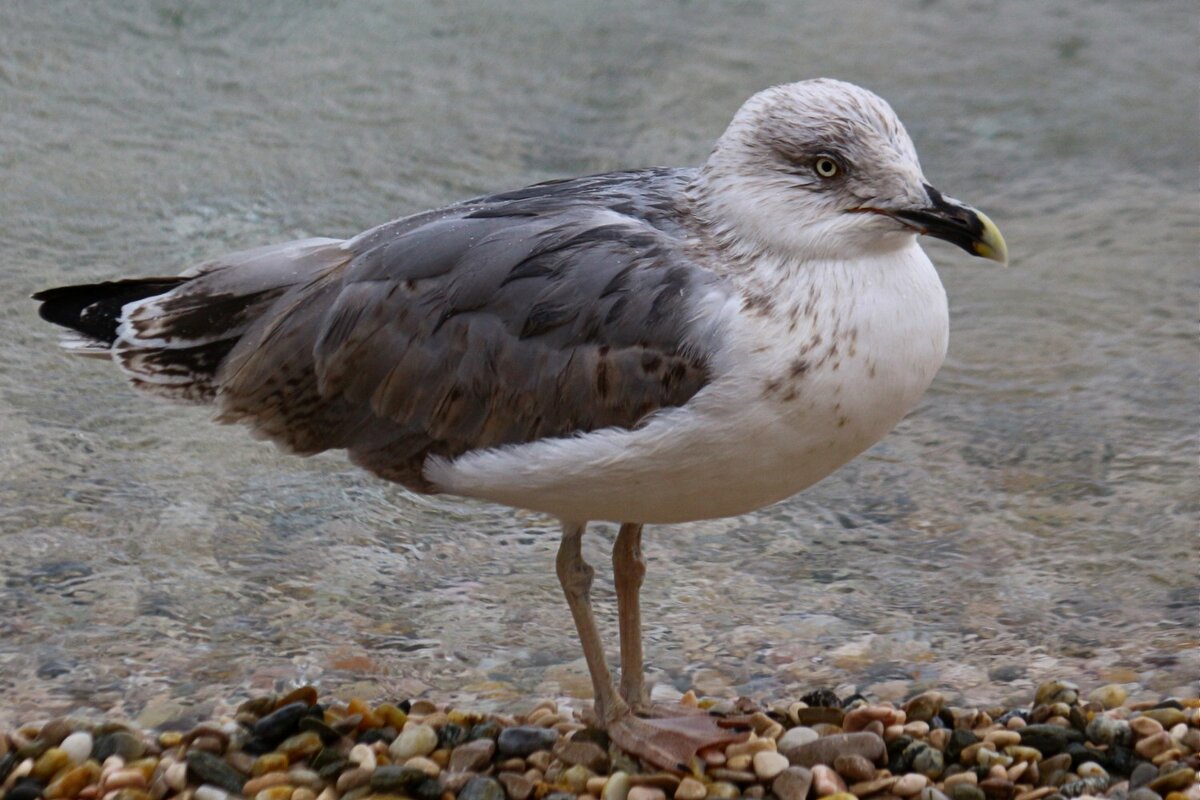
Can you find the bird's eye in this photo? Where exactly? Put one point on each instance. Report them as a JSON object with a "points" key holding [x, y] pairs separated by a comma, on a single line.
{"points": [[826, 167]]}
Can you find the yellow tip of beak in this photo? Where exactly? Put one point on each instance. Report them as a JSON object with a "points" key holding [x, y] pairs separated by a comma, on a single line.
{"points": [[990, 244]]}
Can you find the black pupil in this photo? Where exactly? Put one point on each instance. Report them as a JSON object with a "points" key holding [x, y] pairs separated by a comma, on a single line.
{"points": [[825, 166]]}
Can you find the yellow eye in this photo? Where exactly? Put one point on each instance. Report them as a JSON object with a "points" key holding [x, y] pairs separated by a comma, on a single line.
{"points": [[826, 167]]}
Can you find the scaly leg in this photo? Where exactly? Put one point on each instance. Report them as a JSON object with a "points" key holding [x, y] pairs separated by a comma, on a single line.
{"points": [[629, 570], [666, 743], [669, 741], [575, 575]]}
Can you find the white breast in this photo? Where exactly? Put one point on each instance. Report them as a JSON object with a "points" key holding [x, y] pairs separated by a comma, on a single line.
{"points": [[845, 350]]}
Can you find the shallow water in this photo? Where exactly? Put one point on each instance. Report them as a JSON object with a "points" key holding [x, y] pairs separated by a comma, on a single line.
{"points": [[1036, 516]]}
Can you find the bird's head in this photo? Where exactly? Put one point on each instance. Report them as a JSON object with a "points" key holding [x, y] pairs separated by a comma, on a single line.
{"points": [[824, 169]]}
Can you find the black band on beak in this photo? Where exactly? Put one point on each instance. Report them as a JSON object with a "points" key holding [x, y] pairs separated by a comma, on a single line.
{"points": [[953, 221]]}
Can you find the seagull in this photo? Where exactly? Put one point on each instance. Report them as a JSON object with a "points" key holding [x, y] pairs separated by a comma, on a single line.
{"points": [[648, 346]]}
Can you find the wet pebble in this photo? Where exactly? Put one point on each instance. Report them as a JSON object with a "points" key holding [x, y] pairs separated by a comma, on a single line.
{"points": [[825, 781], [281, 723], [646, 793], [796, 737], [854, 768], [924, 706], [617, 787], [71, 782], [524, 740], [414, 740], [25, 789], [77, 746], [1173, 781], [1049, 739], [118, 743], [690, 789], [517, 786], [213, 770], [910, 784], [395, 778], [825, 750], [1154, 745], [582, 753], [768, 764], [967, 791], [792, 784], [1144, 794], [472, 756]]}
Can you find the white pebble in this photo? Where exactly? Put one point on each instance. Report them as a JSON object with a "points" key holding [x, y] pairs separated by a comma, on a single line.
{"points": [[768, 764], [176, 776], [77, 746], [416, 740], [364, 756], [647, 793], [797, 737], [617, 787], [426, 765], [909, 784], [690, 789], [209, 792]]}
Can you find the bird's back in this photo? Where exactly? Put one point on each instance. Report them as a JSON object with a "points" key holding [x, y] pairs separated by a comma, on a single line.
{"points": [[556, 309]]}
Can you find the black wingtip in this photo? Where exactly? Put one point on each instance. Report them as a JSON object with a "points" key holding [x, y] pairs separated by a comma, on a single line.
{"points": [[94, 309]]}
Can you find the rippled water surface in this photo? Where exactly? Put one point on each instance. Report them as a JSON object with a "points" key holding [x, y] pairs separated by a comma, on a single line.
{"points": [[1036, 516]]}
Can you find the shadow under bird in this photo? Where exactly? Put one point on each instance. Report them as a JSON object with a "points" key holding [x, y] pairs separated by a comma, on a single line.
{"points": [[648, 346]]}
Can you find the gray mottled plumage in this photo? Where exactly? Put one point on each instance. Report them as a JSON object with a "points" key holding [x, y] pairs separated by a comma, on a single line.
{"points": [[560, 308]]}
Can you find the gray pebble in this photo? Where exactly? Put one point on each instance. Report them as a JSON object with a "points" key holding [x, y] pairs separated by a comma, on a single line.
{"points": [[208, 768], [523, 740], [792, 783], [965, 791], [828, 748], [481, 788], [118, 743], [1143, 773]]}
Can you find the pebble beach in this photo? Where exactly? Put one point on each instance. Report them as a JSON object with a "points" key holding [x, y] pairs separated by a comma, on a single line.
{"points": [[300, 746]]}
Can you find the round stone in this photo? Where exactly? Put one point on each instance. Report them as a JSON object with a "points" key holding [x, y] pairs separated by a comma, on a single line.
{"points": [[617, 787], [472, 756], [646, 793], [723, 790], [910, 784], [77, 746], [576, 778], [281, 723], [1111, 696], [792, 784], [395, 779], [1056, 692], [481, 788], [523, 740], [967, 791], [118, 743], [924, 706], [1049, 739], [517, 786], [691, 789], [215, 770], [1174, 781], [415, 740], [796, 737], [768, 764], [828, 748], [854, 768]]}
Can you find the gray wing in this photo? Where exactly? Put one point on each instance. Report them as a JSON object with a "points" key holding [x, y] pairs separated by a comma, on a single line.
{"points": [[551, 311]]}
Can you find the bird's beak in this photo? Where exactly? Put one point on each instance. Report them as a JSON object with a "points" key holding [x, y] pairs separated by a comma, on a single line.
{"points": [[957, 223]]}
